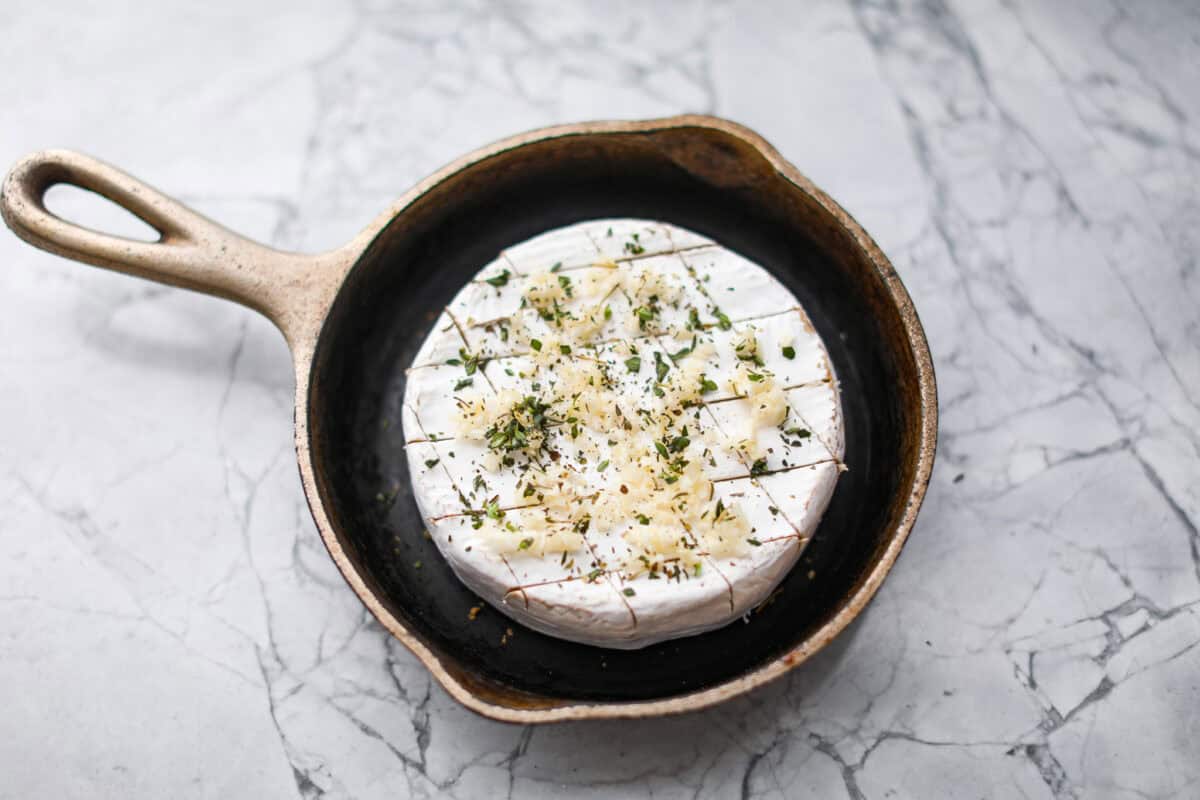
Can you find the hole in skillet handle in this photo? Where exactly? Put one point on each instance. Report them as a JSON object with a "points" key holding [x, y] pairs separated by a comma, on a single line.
{"points": [[420, 261], [93, 211]]}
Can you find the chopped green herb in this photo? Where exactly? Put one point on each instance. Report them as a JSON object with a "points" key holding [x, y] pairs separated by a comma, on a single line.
{"points": [[696, 569], [722, 321], [684, 351], [596, 573], [693, 322], [643, 519], [565, 283], [754, 542], [557, 266], [662, 449], [493, 511], [467, 361], [799, 433], [430, 463], [565, 349], [748, 351], [525, 417], [633, 363], [789, 352], [758, 467], [529, 490], [464, 383], [754, 376], [628, 591], [608, 312], [603, 465], [706, 385], [499, 280], [536, 344], [661, 367], [525, 544]]}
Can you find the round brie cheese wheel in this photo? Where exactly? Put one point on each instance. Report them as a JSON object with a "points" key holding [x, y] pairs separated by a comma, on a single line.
{"points": [[620, 432]]}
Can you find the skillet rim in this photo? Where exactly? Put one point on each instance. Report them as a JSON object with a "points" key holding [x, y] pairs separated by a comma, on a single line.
{"points": [[507, 704]]}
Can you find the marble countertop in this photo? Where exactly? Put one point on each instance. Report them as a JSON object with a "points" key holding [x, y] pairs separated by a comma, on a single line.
{"points": [[170, 622]]}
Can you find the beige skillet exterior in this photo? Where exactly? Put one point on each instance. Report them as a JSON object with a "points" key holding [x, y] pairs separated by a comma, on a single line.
{"points": [[296, 292]]}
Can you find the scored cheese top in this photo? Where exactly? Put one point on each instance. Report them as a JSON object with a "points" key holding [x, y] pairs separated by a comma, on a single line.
{"points": [[620, 432]]}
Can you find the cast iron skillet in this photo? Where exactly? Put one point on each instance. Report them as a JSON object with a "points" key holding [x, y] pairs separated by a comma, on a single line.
{"points": [[355, 317]]}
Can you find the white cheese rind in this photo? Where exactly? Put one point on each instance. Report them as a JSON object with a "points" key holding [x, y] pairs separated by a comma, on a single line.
{"points": [[662, 338], [443, 343], [438, 496], [741, 288], [567, 248], [433, 397], [820, 407], [618, 239], [803, 494], [756, 574], [779, 449]]}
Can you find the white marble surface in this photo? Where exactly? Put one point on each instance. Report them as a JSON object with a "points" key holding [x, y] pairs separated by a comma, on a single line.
{"points": [[171, 625]]}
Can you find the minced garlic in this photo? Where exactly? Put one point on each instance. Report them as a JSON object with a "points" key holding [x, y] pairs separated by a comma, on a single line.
{"points": [[645, 477]]}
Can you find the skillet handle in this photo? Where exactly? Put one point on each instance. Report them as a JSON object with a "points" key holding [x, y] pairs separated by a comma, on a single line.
{"points": [[192, 251]]}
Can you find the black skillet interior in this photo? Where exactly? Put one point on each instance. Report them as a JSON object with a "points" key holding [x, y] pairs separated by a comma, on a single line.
{"points": [[415, 267]]}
